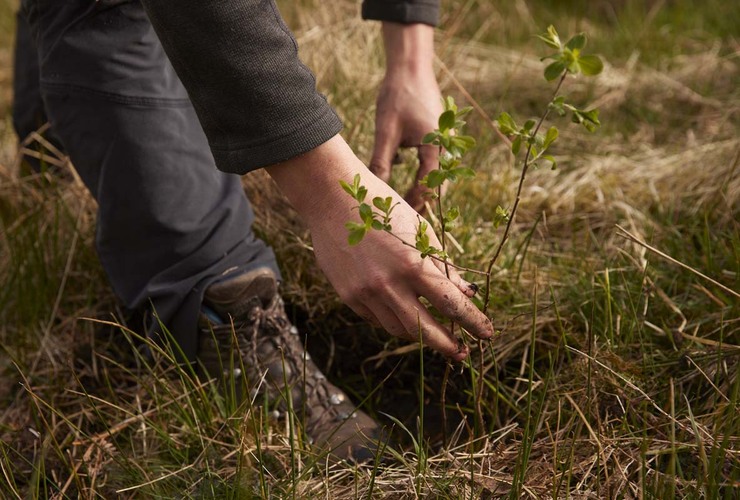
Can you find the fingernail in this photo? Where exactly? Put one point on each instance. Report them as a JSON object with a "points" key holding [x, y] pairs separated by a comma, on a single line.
{"points": [[461, 354], [469, 289]]}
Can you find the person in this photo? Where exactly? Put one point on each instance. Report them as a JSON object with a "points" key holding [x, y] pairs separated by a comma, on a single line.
{"points": [[148, 98]]}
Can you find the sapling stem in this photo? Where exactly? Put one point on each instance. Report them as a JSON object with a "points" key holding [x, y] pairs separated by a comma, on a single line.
{"points": [[512, 215]]}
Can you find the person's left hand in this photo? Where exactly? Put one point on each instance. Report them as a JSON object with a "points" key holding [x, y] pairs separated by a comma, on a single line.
{"points": [[408, 106]]}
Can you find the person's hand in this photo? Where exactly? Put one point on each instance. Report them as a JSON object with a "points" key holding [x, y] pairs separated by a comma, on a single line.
{"points": [[380, 278], [408, 105]]}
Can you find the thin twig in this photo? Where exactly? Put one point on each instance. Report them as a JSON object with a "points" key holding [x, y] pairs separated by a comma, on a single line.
{"points": [[438, 259]]}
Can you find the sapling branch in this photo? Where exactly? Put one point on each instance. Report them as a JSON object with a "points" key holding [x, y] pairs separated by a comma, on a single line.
{"points": [[440, 259]]}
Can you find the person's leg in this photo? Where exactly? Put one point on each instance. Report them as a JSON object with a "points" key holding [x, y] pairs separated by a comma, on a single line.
{"points": [[169, 223], [171, 228], [28, 108]]}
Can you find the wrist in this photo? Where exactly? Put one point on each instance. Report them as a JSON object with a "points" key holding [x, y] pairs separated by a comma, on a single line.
{"points": [[311, 181], [409, 48]]}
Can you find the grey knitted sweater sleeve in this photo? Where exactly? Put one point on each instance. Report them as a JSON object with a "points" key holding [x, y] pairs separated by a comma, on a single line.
{"points": [[402, 11], [256, 101]]}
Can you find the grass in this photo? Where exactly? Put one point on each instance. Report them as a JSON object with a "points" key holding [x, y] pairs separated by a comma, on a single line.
{"points": [[615, 371]]}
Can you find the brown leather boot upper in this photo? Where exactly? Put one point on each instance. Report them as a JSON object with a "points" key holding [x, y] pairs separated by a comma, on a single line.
{"points": [[259, 351]]}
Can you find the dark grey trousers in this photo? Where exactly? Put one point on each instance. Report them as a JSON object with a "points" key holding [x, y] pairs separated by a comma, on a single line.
{"points": [[169, 223]]}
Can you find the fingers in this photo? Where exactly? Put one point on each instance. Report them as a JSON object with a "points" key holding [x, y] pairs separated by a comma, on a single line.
{"points": [[365, 314], [384, 151], [453, 303], [433, 333], [408, 318], [428, 160], [400, 313]]}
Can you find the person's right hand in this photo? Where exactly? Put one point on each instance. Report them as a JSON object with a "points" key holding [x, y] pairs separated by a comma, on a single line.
{"points": [[380, 278]]}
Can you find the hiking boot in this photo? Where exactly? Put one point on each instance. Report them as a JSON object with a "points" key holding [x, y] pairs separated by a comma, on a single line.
{"points": [[264, 349]]}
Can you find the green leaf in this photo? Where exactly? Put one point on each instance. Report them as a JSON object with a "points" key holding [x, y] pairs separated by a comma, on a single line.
{"points": [[589, 119], [347, 188], [377, 225], [462, 142], [435, 178], [500, 216], [452, 214], [464, 111], [506, 124], [558, 105], [528, 125], [422, 242], [435, 251], [516, 145], [571, 58], [551, 38], [464, 172], [593, 116], [447, 120], [554, 70], [366, 214], [590, 65], [551, 159], [449, 103], [577, 42], [361, 193], [356, 235], [356, 232], [448, 161], [382, 204], [430, 138], [550, 137]]}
